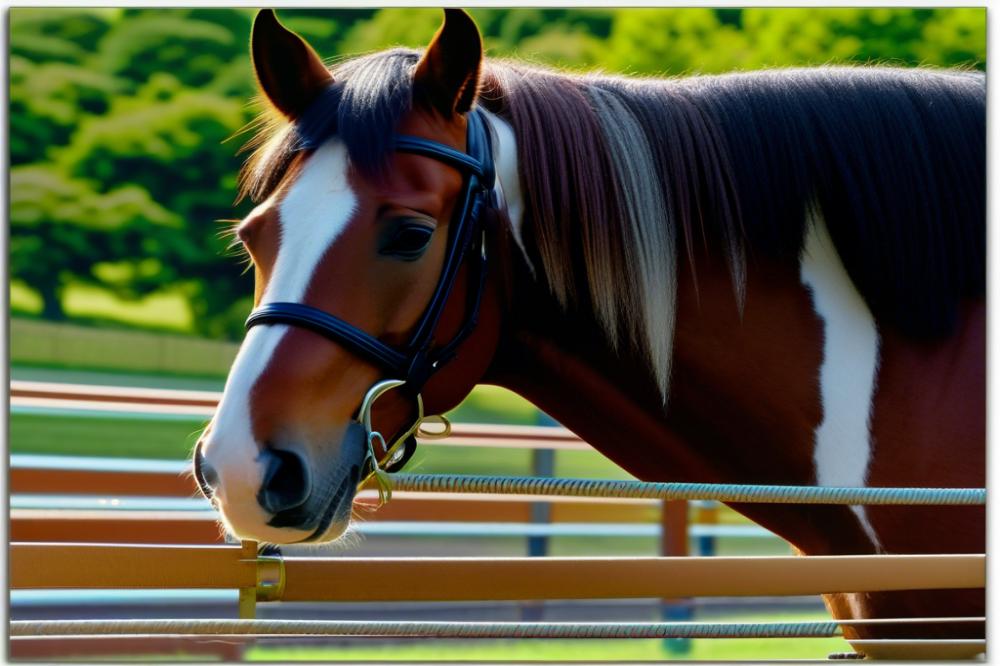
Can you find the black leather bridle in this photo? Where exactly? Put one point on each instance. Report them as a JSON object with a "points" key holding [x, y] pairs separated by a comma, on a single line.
{"points": [[414, 363]]}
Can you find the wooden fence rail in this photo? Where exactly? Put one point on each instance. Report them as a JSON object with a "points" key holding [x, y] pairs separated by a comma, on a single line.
{"points": [[49, 395], [62, 498], [96, 566]]}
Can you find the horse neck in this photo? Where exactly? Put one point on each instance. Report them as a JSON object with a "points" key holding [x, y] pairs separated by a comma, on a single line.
{"points": [[743, 403]]}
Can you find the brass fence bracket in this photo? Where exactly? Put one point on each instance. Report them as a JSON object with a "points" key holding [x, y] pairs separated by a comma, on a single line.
{"points": [[248, 595], [269, 580]]}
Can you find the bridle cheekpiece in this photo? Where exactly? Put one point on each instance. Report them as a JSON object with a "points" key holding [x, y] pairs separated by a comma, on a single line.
{"points": [[410, 366]]}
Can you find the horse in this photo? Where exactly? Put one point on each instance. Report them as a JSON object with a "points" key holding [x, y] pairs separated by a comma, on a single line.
{"points": [[773, 277]]}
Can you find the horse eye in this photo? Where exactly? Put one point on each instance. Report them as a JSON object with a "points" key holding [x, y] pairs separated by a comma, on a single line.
{"points": [[409, 241]]}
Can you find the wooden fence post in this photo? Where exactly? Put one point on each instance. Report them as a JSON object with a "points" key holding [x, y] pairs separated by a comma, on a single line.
{"points": [[708, 514], [674, 543], [543, 463]]}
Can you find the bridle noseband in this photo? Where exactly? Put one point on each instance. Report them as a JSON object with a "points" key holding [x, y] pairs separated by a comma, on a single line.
{"points": [[413, 364]]}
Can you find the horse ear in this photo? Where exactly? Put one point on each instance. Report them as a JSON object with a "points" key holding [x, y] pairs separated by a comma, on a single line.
{"points": [[447, 77], [288, 70]]}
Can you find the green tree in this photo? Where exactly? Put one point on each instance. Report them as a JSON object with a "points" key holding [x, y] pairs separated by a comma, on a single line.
{"points": [[48, 101], [64, 35], [562, 46], [900, 36], [172, 142], [819, 36], [119, 118], [954, 37], [673, 41], [162, 41], [392, 27], [61, 230], [325, 28]]}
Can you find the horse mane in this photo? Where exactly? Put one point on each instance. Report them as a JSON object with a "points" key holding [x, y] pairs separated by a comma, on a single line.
{"points": [[369, 97], [622, 175]]}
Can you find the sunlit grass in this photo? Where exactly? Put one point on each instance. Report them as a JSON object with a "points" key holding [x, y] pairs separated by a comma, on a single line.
{"points": [[105, 437], [24, 299], [492, 404], [164, 310], [51, 372], [563, 651], [172, 439]]}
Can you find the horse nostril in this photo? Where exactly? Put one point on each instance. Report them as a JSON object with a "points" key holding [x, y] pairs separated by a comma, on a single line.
{"points": [[286, 481], [204, 474]]}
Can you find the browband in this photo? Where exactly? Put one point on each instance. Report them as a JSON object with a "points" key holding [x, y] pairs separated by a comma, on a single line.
{"points": [[415, 362]]}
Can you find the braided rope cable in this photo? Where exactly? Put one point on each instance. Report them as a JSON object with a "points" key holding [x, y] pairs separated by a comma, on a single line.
{"points": [[722, 492], [603, 630]]}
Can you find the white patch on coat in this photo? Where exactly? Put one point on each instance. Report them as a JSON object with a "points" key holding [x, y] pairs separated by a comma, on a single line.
{"points": [[849, 370], [508, 182], [313, 213]]}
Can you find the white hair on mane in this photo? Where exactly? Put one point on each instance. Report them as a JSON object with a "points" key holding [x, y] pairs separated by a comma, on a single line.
{"points": [[651, 259]]}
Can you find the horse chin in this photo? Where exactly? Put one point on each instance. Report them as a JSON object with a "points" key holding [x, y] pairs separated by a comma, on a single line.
{"points": [[286, 536], [334, 516], [323, 519], [254, 529], [337, 530]]}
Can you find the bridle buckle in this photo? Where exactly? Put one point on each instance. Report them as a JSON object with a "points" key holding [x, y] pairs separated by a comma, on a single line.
{"points": [[416, 361], [375, 465]]}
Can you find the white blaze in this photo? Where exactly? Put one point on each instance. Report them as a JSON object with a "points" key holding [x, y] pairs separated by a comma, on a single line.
{"points": [[313, 213], [849, 369]]}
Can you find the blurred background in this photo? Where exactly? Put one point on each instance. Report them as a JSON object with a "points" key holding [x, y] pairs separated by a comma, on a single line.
{"points": [[125, 129], [124, 125]]}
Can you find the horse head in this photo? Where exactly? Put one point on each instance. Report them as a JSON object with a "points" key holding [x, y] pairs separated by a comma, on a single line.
{"points": [[370, 306]]}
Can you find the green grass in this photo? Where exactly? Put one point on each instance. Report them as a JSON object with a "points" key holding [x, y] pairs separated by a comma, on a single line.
{"points": [[163, 310], [24, 299], [492, 404], [44, 351], [507, 461], [48, 373], [562, 651], [42, 343], [563, 546], [133, 437], [173, 439], [114, 437], [570, 650]]}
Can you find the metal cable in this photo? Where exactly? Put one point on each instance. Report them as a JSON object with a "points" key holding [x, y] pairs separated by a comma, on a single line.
{"points": [[722, 492], [174, 627]]}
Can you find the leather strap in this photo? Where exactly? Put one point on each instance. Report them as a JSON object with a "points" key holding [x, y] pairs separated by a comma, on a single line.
{"points": [[318, 321], [439, 152], [417, 361]]}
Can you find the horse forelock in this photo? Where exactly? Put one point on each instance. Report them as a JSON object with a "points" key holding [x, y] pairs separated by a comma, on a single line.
{"points": [[363, 106]]}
